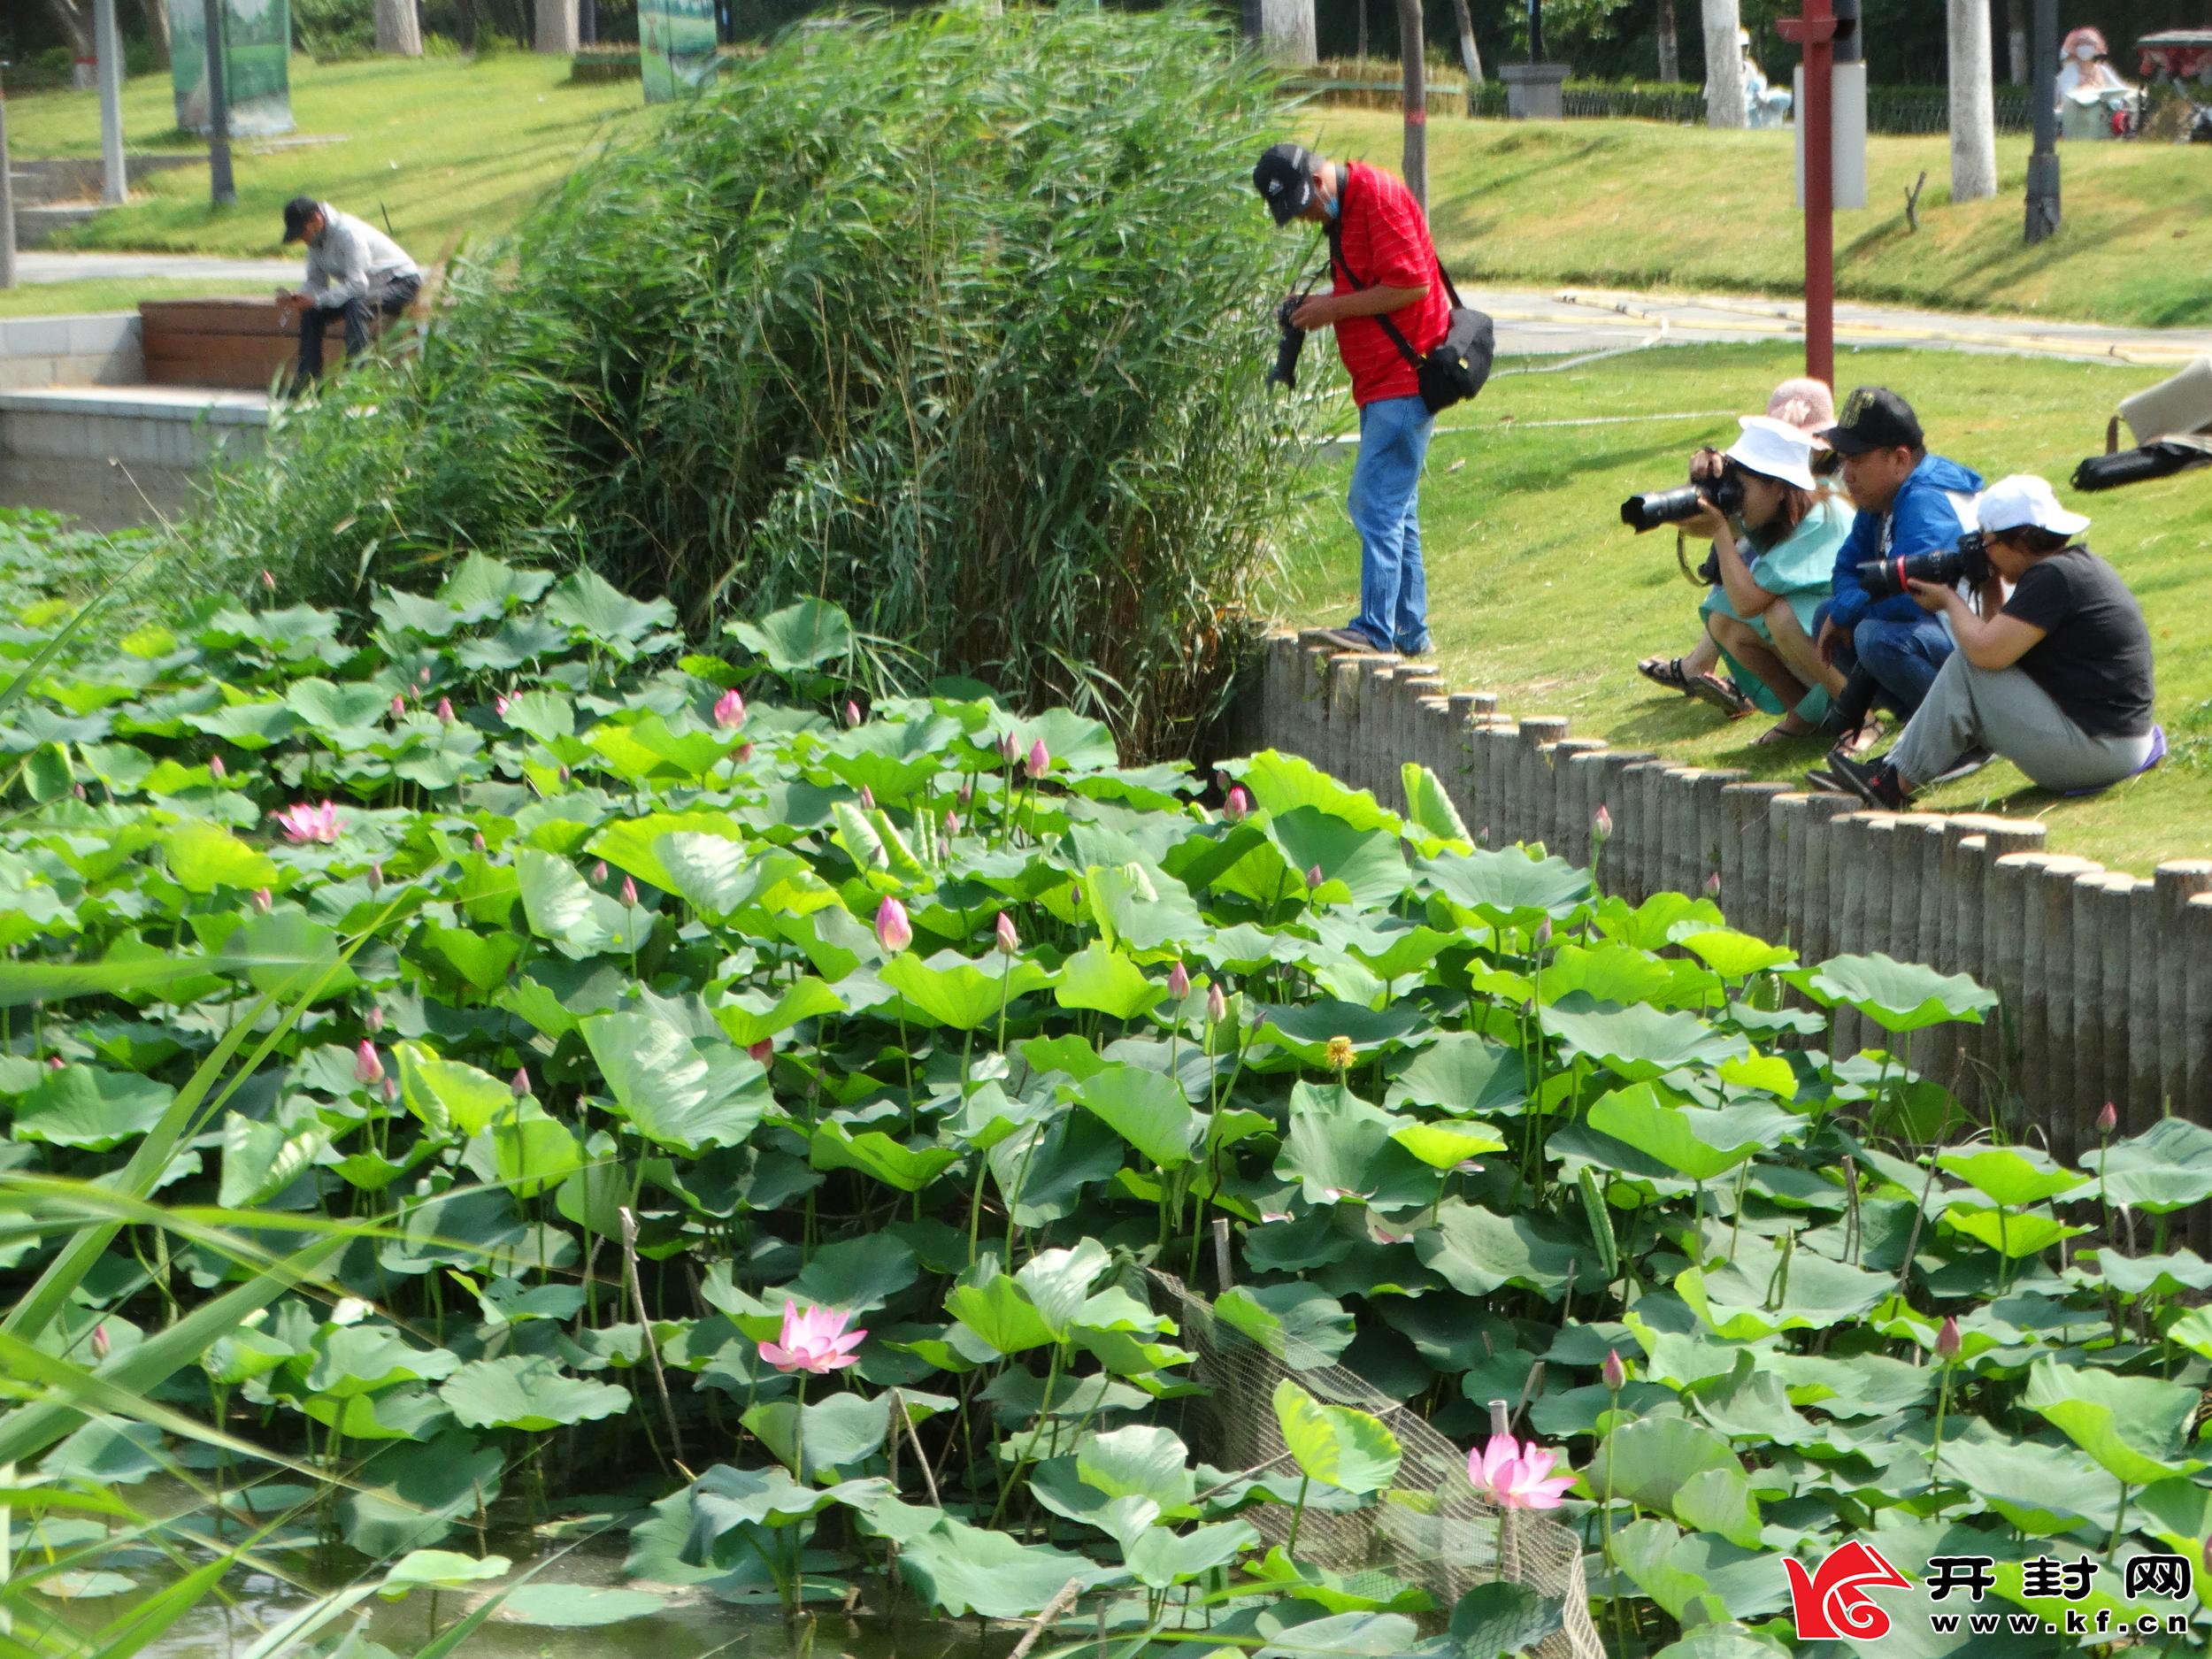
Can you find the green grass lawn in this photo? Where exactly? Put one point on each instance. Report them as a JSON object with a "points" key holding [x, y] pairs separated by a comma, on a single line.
{"points": [[1638, 205], [1536, 590], [72, 299], [452, 150]]}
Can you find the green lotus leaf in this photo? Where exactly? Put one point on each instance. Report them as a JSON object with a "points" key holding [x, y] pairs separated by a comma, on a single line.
{"points": [[564, 911], [1283, 783], [481, 959], [1363, 866], [90, 1107], [1720, 1501], [576, 1606], [1694, 1141], [526, 1155], [1444, 1146], [1146, 1109], [408, 1495], [633, 844], [719, 876], [1647, 1461], [2168, 1167], [1477, 1251], [1742, 1301], [1307, 1028], [1358, 1635], [1465, 1075], [1101, 979], [1735, 955], [2041, 1487], [1339, 1149], [204, 856], [528, 1392], [2132, 1426], [439, 1570], [1337, 1445], [448, 1094], [288, 955], [2012, 1234], [2014, 1176], [802, 635], [260, 1160], [873, 1152], [647, 750], [1896, 996], [603, 615], [752, 1017], [1367, 1590], [1506, 888], [682, 1092], [890, 758], [1138, 1461], [1298, 1323], [2162, 1276], [833, 1433], [359, 1359], [348, 711], [1723, 1641], [963, 1568], [1503, 1618], [1429, 805], [1623, 976], [952, 991], [1641, 1043], [1160, 1558]]}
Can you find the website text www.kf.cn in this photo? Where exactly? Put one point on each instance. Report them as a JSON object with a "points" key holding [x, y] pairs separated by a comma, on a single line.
{"points": [[1835, 1601]]}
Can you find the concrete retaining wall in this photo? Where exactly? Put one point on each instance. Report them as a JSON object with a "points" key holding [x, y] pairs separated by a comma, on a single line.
{"points": [[2105, 980], [119, 456], [98, 349]]}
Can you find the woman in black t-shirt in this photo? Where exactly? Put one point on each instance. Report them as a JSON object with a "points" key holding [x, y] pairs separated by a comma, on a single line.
{"points": [[2058, 681]]}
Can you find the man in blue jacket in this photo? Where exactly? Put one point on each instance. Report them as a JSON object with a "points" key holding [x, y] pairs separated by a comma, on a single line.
{"points": [[1908, 502]]}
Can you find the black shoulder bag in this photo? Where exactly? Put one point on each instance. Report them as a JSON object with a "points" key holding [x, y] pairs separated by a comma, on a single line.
{"points": [[1454, 371]]}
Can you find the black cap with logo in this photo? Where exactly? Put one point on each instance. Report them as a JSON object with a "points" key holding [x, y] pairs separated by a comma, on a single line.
{"points": [[1285, 177], [298, 211], [1874, 417]]}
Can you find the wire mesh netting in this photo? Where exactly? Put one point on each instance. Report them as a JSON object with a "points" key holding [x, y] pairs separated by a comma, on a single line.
{"points": [[1432, 1529]]}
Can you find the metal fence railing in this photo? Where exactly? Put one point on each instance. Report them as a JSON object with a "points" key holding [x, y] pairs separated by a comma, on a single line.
{"points": [[1890, 110]]}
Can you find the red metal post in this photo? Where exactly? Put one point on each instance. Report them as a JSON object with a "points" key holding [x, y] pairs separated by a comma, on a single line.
{"points": [[1815, 33]]}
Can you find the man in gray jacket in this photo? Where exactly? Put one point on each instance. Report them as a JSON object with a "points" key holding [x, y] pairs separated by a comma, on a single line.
{"points": [[354, 271]]}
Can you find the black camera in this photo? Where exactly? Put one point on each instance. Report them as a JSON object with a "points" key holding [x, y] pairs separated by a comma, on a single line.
{"points": [[1655, 508], [1969, 561], [1294, 341]]}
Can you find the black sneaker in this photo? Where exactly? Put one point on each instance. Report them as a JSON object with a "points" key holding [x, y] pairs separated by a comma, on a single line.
{"points": [[1873, 781], [1968, 764], [1820, 780]]}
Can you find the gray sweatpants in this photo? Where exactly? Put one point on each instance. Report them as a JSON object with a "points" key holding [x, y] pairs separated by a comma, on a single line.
{"points": [[2002, 709]]}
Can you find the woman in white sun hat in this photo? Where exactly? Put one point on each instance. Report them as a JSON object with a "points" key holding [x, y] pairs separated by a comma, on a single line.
{"points": [[1774, 576], [2058, 681]]}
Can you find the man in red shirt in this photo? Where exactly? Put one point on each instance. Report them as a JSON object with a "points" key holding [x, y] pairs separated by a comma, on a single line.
{"points": [[1386, 280]]}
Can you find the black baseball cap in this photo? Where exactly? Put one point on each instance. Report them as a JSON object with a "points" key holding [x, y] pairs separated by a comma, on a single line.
{"points": [[1284, 175], [1874, 417], [298, 211]]}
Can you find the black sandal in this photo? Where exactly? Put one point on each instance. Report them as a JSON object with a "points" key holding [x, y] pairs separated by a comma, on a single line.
{"points": [[1666, 670], [1722, 694]]}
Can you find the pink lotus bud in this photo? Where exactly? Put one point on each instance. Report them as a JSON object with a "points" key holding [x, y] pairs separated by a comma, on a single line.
{"points": [[867, 798], [1313, 877], [1178, 982], [477, 841], [268, 581], [1216, 1004], [1601, 826], [1543, 932], [952, 822], [1075, 894], [967, 794], [501, 704], [79, 793], [2108, 1119], [894, 932], [1948, 1341], [217, 770], [944, 849], [391, 1090], [744, 752], [1238, 805], [729, 710], [100, 1344], [374, 1019], [1010, 747], [367, 1068], [629, 890], [1614, 1372], [399, 707], [520, 1084], [1040, 760], [1007, 940], [376, 878], [423, 678], [852, 712], [263, 899], [1712, 885], [562, 774], [599, 873], [764, 1051], [53, 1062], [445, 711]]}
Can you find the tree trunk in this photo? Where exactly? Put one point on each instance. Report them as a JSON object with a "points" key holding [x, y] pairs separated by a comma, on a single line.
{"points": [[1470, 58], [468, 24], [75, 21], [1973, 104], [1360, 51], [157, 15], [1415, 73], [398, 30], [1287, 32], [557, 27], [1670, 47], [1724, 65], [2016, 41]]}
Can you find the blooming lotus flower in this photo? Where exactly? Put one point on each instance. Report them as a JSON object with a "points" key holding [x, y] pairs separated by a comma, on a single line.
{"points": [[1039, 761], [1216, 1004], [764, 1051], [2108, 1119], [399, 707], [216, 769], [445, 711], [367, 1068], [1238, 805], [1613, 1371], [1178, 982], [1601, 826], [1948, 1341], [813, 1339], [729, 710], [520, 1084], [852, 712], [1517, 1475], [303, 823], [599, 871], [629, 890], [1007, 940], [263, 900], [894, 932]]}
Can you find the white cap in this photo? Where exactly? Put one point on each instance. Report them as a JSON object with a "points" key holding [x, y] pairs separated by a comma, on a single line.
{"points": [[2024, 499], [1774, 448]]}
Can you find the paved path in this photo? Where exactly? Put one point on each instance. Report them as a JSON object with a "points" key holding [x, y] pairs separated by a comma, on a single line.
{"points": [[31, 266]]}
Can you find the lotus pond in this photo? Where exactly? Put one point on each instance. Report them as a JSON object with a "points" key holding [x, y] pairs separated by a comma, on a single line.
{"points": [[496, 1083]]}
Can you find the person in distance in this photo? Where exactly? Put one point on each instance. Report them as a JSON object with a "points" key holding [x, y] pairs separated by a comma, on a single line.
{"points": [[354, 273], [2058, 680]]}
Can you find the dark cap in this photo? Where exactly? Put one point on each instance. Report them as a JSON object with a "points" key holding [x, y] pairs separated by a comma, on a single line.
{"points": [[1874, 417], [298, 211], [1285, 177]]}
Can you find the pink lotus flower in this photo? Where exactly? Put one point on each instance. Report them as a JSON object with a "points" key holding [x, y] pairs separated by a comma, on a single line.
{"points": [[367, 1068], [1613, 1373], [423, 677], [53, 1062], [391, 1090], [1601, 826], [216, 769], [852, 712], [1239, 806], [1314, 877], [967, 794], [952, 822], [894, 932], [520, 1084], [1007, 940], [944, 850], [745, 752], [1467, 1166], [764, 1051], [813, 1339], [1216, 1004], [477, 841], [2108, 1119], [445, 711], [1178, 982], [562, 774], [599, 871], [268, 581], [303, 823], [1010, 747], [1274, 1215], [1517, 1475], [399, 707], [501, 704], [1948, 1341], [263, 900], [1543, 932], [629, 890], [867, 799], [373, 1019], [1712, 885], [729, 710], [1039, 761]]}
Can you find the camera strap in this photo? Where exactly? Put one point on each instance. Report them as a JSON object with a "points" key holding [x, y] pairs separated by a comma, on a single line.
{"points": [[1336, 256]]}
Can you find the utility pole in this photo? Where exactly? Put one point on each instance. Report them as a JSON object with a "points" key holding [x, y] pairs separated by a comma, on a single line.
{"points": [[1414, 96], [1815, 33], [108, 44], [1536, 32], [7, 281], [221, 188], [2043, 210]]}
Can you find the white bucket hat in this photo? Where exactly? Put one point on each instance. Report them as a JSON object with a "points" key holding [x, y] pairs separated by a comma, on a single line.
{"points": [[2024, 499], [1774, 448]]}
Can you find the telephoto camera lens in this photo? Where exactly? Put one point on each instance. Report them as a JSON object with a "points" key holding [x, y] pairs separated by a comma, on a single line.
{"points": [[1654, 508], [1886, 579]]}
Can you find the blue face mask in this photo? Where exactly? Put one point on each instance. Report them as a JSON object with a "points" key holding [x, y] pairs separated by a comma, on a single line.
{"points": [[1332, 206]]}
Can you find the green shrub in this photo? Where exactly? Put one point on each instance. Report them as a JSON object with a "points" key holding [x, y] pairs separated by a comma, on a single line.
{"points": [[961, 322]]}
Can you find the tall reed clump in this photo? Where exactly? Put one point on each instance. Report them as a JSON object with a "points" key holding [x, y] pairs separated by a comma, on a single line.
{"points": [[960, 321]]}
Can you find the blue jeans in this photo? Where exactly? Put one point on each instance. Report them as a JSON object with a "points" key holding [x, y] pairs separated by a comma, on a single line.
{"points": [[1903, 654], [1385, 508]]}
